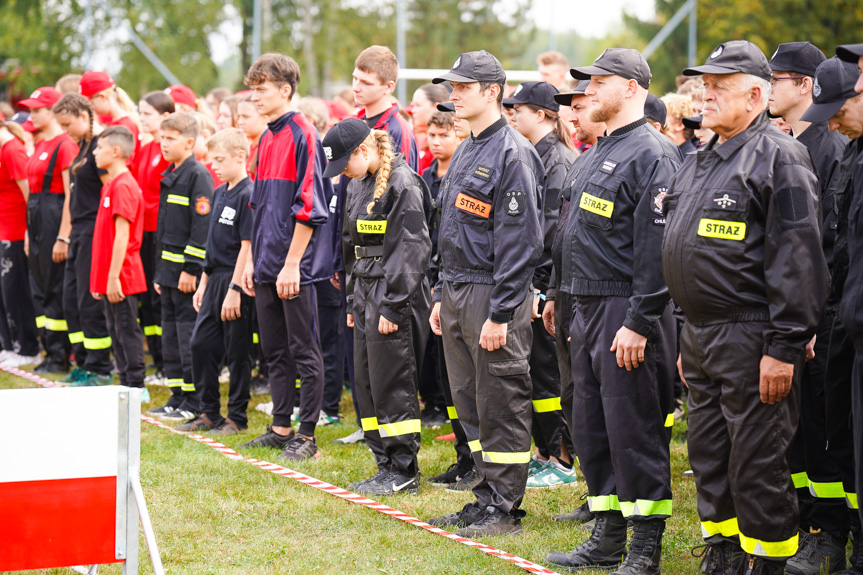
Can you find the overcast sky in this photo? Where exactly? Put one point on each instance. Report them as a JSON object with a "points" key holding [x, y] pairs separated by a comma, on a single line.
{"points": [[590, 18]]}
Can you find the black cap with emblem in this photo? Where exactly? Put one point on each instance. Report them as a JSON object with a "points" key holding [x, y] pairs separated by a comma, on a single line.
{"points": [[850, 52], [801, 57], [479, 66], [733, 57], [655, 109], [624, 62], [537, 93], [834, 84], [340, 142], [565, 98]]}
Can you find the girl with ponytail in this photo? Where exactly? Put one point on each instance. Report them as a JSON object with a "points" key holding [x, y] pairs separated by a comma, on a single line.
{"points": [[88, 331], [386, 247], [111, 101], [537, 118]]}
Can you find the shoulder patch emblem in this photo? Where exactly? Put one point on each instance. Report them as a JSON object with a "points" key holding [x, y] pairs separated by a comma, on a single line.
{"points": [[514, 203], [658, 198], [202, 205], [725, 201]]}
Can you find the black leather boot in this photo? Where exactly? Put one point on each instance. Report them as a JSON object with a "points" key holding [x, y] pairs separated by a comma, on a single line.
{"points": [[719, 558], [605, 547], [645, 548]]}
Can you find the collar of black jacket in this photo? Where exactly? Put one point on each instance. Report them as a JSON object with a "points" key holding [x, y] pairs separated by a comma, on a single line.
{"points": [[491, 130], [628, 128], [812, 133], [276, 125], [545, 143], [728, 147], [169, 176]]}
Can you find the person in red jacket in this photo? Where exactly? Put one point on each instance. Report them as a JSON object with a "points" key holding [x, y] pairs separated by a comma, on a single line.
{"points": [[17, 317], [149, 166], [50, 223]]}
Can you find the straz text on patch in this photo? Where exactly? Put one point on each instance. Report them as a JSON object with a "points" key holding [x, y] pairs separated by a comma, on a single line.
{"points": [[596, 205], [473, 206], [372, 226], [722, 229]]}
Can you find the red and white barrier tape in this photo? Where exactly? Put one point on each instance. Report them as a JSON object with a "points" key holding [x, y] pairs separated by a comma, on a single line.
{"points": [[321, 486]]}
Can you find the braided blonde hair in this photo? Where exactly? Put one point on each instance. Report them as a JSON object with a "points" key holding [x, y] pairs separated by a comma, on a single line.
{"points": [[384, 146]]}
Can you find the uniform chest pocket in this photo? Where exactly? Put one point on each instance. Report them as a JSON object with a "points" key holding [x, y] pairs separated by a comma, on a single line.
{"points": [[596, 201], [722, 223]]}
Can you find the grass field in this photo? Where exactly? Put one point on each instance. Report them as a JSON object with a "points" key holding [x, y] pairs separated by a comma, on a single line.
{"points": [[213, 515]]}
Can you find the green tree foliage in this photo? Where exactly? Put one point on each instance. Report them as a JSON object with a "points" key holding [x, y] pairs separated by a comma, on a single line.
{"points": [[825, 23]]}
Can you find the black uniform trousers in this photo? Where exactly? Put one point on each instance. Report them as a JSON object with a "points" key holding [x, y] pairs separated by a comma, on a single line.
{"points": [[178, 322], [462, 451], [491, 391], [738, 446], [85, 317], [127, 338], [290, 339], [562, 321], [430, 387], [332, 323], [816, 474], [548, 426], [619, 416], [150, 311], [19, 314], [386, 371], [215, 341], [44, 211]]}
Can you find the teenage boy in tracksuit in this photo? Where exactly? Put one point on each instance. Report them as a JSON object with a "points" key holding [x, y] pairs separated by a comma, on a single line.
{"points": [[181, 240], [289, 254]]}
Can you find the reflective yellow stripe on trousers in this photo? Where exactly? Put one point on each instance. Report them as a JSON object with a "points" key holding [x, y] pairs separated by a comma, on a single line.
{"points": [[40, 321], [400, 428], [506, 457], [152, 330], [546, 405], [369, 423], [800, 480], [772, 549], [603, 503], [646, 508], [97, 343], [56, 324], [450, 411], [186, 386], [76, 337], [727, 528], [831, 490]]}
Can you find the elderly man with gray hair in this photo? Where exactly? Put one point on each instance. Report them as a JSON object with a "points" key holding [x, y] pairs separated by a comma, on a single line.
{"points": [[742, 258]]}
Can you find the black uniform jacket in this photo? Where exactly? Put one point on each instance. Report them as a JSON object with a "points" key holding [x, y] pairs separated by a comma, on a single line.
{"points": [[613, 236], [851, 308], [557, 159], [743, 239], [185, 203], [398, 223], [491, 217]]}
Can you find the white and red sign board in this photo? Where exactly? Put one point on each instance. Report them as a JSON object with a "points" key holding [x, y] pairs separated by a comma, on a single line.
{"points": [[58, 477]]}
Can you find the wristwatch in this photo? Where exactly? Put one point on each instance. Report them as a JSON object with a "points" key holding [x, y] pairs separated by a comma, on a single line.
{"points": [[64, 240], [234, 287]]}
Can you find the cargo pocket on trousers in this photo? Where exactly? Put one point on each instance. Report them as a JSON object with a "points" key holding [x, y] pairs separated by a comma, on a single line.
{"points": [[509, 397]]}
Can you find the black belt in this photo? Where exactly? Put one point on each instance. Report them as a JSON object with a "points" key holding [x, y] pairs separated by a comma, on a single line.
{"points": [[368, 251]]}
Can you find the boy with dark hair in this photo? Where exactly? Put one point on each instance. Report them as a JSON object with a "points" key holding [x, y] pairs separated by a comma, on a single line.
{"points": [[289, 253], [224, 325], [181, 239], [117, 271]]}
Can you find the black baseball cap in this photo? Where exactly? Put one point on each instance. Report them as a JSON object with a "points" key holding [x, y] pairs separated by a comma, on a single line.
{"points": [[565, 98], [834, 84], [340, 142], [446, 106], [624, 62], [537, 93], [655, 109], [692, 122], [477, 66], [732, 57], [850, 52], [801, 57]]}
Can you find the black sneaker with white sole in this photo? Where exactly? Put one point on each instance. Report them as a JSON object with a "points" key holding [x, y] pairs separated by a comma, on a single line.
{"points": [[393, 483], [300, 447], [451, 476], [271, 439], [180, 414], [465, 482], [380, 474], [161, 411], [493, 521], [468, 515]]}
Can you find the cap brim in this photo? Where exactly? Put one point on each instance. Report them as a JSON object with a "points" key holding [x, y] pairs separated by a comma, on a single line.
{"points": [[850, 52], [822, 112], [453, 77], [510, 102], [565, 98], [446, 107], [585, 72], [708, 69], [692, 122], [32, 104], [337, 166]]}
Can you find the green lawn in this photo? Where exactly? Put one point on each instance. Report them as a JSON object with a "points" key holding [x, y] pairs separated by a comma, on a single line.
{"points": [[213, 515]]}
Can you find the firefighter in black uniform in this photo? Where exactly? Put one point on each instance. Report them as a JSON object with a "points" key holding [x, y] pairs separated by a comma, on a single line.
{"points": [[536, 117], [386, 249], [816, 466], [622, 328], [490, 241], [743, 259]]}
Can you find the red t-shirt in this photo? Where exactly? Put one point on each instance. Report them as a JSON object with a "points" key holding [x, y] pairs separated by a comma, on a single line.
{"points": [[149, 166], [38, 164], [13, 208], [127, 122], [120, 197], [216, 181]]}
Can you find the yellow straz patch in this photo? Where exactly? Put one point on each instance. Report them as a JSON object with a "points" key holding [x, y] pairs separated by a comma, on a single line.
{"points": [[723, 230], [473, 206], [596, 205], [372, 226]]}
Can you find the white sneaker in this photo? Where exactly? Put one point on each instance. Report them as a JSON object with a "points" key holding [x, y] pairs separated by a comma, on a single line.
{"points": [[354, 437], [17, 360], [265, 407], [6, 354], [157, 378], [225, 376]]}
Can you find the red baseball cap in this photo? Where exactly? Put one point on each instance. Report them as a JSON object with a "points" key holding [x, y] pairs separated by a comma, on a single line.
{"points": [[93, 82], [28, 126], [182, 95], [44, 97]]}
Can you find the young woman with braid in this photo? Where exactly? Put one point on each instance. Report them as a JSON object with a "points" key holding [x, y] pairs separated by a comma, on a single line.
{"points": [[386, 249], [111, 101], [88, 331]]}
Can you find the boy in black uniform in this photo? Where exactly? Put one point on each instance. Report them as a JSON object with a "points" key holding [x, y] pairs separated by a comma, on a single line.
{"points": [[224, 325], [490, 241], [181, 239]]}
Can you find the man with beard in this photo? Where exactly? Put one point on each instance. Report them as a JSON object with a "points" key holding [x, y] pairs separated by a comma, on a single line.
{"points": [[622, 328]]}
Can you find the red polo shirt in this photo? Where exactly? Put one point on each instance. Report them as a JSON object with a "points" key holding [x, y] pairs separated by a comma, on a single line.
{"points": [[38, 164], [149, 166], [13, 166]]}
